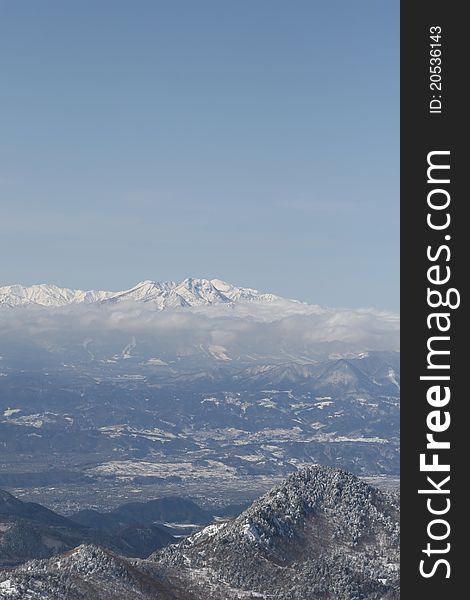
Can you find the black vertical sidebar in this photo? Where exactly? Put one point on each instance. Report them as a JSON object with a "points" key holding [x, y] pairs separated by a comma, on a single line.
{"points": [[434, 524]]}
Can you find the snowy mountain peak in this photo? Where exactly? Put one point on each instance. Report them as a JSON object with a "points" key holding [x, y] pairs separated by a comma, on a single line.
{"points": [[167, 294], [45, 294]]}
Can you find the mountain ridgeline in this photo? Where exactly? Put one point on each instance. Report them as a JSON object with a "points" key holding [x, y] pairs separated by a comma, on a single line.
{"points": [[29, 530], [168, 294]]}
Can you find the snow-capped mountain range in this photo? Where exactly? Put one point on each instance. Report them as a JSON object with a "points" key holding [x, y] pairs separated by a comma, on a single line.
{"points": [[168, 294], [193, 313]]}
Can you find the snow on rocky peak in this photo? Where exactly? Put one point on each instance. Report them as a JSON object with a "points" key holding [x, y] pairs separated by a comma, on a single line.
{"points": [[239, 293], [148, 291], [45, 294], [322, 533], [168, 294]]}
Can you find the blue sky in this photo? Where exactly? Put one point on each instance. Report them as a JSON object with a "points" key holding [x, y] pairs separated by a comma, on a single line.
{"points": [[253, 140]]}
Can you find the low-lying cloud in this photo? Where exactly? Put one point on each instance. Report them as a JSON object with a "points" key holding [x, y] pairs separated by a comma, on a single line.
{"points": [[241, 329]]}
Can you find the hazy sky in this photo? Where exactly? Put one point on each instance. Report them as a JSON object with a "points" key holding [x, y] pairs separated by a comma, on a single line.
{"points": [[251, 140]]}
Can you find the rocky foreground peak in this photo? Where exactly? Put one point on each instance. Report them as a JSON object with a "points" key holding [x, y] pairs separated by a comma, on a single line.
{"points": [[323, 533]]}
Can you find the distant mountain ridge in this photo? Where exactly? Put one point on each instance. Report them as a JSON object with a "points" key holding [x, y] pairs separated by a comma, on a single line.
{"points": [[170, 509], [29, 530], [167, 294]]}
